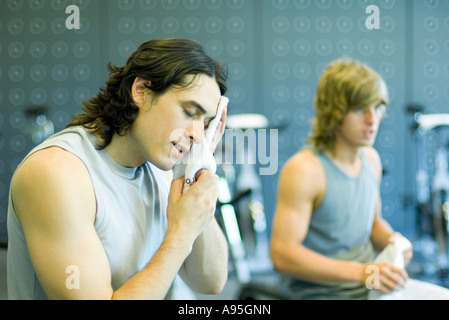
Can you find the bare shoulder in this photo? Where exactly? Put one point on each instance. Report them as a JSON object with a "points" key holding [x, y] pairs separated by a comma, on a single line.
{"points": [[53, 175], [302, 185], [304, 164], [50, 164], [302, 176]]}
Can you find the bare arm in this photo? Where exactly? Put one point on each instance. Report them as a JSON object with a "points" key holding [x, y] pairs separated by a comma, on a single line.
{"points": [[205, 269], [381, 232], [55, 203], [301, 186]]}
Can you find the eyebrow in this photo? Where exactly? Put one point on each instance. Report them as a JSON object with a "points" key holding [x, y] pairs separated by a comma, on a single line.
{"points": [[198, 106]]}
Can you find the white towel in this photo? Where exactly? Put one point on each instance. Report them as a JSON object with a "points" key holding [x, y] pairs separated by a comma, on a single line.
{"points": [[394, 254], [200, 156]]}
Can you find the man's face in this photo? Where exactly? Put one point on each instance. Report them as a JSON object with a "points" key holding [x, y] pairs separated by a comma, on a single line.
{"points": [[166, 126], [360, 125]]}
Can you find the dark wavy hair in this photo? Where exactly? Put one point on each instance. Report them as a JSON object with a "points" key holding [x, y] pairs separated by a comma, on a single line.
{"points": [[164, 63]]}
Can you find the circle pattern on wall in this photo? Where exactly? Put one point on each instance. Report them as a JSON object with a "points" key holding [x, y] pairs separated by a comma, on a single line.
{"points": [[275, 49]]}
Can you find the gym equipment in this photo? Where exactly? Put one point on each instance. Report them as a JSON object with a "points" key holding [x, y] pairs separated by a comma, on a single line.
{"points": [[241, 210], [431, 132]]}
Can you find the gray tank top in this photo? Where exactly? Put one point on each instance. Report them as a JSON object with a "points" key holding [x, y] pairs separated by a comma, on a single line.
{"points": [[340, 228], [130, 220]]}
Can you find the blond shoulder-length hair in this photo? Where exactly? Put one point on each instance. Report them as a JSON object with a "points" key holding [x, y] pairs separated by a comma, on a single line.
{"points": [[344, 85]]}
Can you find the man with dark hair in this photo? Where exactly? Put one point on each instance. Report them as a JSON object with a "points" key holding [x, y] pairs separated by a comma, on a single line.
{"points": [[91, 212]]}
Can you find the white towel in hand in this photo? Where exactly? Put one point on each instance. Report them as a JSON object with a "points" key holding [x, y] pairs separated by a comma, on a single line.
{"points": [[200, 156], [394, 254]]}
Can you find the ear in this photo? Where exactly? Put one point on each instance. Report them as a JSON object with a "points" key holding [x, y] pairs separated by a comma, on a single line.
{"points": [[138, 90]]}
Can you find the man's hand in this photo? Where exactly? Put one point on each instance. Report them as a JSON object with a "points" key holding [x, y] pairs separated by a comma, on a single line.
{"points": [[389, 279], [190, 213]]}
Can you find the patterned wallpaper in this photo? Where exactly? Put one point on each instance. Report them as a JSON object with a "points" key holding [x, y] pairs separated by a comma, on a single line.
{"points": [[275, 50]]}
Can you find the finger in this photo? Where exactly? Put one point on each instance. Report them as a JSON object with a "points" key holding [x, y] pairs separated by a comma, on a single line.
{"points": [[221, 126], [399, 273], [206, 176], [397, 277], [205, 180], [384, 289], [224, 117], [219, 132], [387, 285], [217, 136], [200, 173], [176, 189]]}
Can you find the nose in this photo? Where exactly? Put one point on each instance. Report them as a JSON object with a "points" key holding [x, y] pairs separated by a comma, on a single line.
{"points": [[196, 131], [371, 116]]}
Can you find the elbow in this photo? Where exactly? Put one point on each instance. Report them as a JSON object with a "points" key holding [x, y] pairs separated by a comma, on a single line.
{"points": [[218, 285], [215, 286], [277, 259]]}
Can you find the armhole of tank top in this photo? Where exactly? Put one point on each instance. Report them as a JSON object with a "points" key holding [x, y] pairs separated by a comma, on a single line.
{"points": [[367, 165], [99, 219], [321, 158], [99, 204], [41, 147]]}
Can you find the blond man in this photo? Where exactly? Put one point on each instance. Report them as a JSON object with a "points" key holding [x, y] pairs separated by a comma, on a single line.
{"points": [[328, 225]]}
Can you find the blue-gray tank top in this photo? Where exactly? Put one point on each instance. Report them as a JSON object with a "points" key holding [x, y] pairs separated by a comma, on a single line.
{"points": [[340, 228], [130, 220]]}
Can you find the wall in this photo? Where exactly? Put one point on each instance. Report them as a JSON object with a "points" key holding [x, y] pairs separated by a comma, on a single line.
{"points": [[276, 50]]}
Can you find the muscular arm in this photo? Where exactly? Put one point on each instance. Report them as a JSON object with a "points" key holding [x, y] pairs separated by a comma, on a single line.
{"points": [[54, 201], [205, 269], [301, 185]]}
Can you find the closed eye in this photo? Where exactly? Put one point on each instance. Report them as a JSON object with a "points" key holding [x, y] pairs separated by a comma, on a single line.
{"points": [[189, 114], [194, 110]]}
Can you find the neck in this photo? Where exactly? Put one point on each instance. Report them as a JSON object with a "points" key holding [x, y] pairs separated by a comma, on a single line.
{"points": [[346, 158], [344, 153], [120, 150]]}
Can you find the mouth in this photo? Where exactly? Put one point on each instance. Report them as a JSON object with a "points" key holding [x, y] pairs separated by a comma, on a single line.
{"points": [[179, 150], [369, 133]]}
